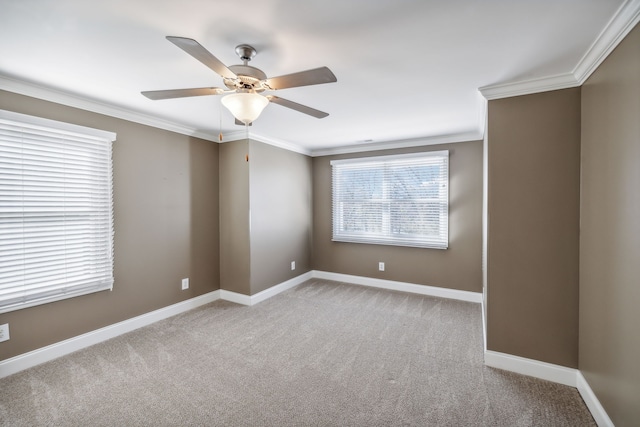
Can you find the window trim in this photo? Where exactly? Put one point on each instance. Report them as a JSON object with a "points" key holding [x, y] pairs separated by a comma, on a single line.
{"points": [[30, 126], [387, 238]]}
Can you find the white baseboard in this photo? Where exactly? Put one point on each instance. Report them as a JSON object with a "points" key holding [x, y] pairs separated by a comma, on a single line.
{"points": [[62, 348], [520, 365], [554, 373], [401, 286], [267, 293], [235, 297], [592, 402], [53, 351], [275, 290], [533, 368]]}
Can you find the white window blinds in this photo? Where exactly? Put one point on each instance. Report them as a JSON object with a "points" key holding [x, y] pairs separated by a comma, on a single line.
{"points": [[56, 217], [392, 200]]}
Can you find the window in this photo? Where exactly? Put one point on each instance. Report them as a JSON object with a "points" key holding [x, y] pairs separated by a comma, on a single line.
{"points": [[398, 200], [56, 216]]}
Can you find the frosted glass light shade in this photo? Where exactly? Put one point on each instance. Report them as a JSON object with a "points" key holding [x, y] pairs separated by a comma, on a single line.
{"points": [[245, 107]]}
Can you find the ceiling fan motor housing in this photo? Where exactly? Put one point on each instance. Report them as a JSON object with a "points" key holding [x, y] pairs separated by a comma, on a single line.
{"points": [[248, 78]]}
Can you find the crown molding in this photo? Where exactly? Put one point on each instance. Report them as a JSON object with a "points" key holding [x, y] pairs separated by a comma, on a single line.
{"points": [[626, 18], [52, 95], [280, 144], [232, 136], [403, 143], [622, 22], [48, 94], [526, 87], [240, 135]]}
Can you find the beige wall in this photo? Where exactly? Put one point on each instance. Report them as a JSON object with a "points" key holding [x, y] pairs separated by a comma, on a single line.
{"points": [[265, 216], [281, 216], [235, 246], [165, 215], [458, 267], [167, 190], [610, 233], [533, 216]]}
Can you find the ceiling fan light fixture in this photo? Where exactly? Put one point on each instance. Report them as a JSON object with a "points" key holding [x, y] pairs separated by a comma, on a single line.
{"points": [[245, 106]]}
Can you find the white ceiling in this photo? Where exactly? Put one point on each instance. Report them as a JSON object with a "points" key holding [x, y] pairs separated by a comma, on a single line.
{"points": [[407, 70]]}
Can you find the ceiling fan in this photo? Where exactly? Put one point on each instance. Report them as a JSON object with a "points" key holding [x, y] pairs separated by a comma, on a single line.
{"points": [[244, 83]]}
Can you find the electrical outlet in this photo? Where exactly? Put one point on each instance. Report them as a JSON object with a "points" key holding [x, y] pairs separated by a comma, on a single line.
{"points": [[293, 265], [185, 284], [381, 266], [4, 332]]}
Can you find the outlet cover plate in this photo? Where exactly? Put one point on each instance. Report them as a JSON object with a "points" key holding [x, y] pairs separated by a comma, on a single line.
{"points": [[185, 284], [4, 332], [381, 266]]}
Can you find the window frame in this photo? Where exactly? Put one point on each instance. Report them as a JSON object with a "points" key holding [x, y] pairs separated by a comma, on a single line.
{"points": [[387, 236], [56, 181]]}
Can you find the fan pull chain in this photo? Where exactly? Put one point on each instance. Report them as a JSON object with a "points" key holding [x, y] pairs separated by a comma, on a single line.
{"points": [[246, 127], [220, 123]]}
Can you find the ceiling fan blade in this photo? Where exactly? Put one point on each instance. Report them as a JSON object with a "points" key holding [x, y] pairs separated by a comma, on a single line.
{"points": [[303, 78], [298, 107], [239, 123], [196, 50], [181, 93]]}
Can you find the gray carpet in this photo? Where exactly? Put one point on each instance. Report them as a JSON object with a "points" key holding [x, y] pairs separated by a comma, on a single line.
{"points": [[321, 354]]}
